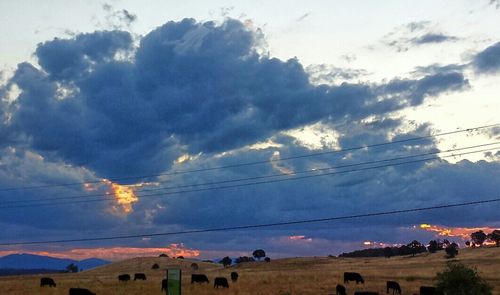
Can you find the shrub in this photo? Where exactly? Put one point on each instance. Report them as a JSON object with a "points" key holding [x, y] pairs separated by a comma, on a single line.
{"points": [[458, 279]]}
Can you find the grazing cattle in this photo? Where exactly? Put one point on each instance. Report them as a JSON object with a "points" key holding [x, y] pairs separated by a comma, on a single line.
{"points": [[424, 290], [139, 276], [47, 282], [124, 278], [394, 286], [365, 293], [80, 291], [234, 276], [353, 276], [201, 278], [164, 284], [341, 290], [221, 282]]}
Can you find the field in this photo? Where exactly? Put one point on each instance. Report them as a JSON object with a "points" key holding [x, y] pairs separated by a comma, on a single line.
{"points": [[308, 275]]}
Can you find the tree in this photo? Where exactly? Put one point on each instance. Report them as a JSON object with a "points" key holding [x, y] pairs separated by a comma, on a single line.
{"points": [[72, 268], [452, 250], [163, 255], [180, 257], [259, 253], [267, 259], [460, 279], [388, 252], [494, 236], [194, 266], [433, 246], [226, 261], [478, 237], [155, 266], [416, 247], [244, 259]]}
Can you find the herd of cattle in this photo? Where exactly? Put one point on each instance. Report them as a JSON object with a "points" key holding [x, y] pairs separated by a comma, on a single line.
{"points": [[222, 282]]}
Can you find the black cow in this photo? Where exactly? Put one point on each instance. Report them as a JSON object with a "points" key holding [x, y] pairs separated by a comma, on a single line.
{"points": [[425, 290], [164, 284], [200, 278], [124, 278], [353, 276], [365, 293], [234, 276], [341, 290], [394, 286], [80, 291], [139, 276], [221, 282], [47, 282]]}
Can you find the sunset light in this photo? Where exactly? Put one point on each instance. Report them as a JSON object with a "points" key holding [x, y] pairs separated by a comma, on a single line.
{"points": [[461, 232]]}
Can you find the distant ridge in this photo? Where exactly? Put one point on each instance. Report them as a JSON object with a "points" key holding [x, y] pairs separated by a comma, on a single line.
{"points": [[31, 262]]}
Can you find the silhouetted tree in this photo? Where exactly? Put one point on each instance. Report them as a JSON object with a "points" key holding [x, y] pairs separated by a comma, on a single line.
{"points": [[494, 236], [72, 268], [416, 247], [155, 266], [194, 266], [163, 255], [180, 257], [452, 250], [267, 259], [388, 252], [226, 261], [478, 237], [259, 253], [433, 246], [244, 259]]}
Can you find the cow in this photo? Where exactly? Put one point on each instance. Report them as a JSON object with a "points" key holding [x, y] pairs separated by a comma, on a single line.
{"points": [[234, 276], [47, 282], [394, 286], [341, 290], [199, 278], [139, 276], [80, 291], [124, 278], [353, 276], [425, 290], [221, 282], [365, 293], [164, 285]]}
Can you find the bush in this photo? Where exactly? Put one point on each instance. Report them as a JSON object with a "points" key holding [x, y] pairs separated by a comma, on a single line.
{"points": [[458, 279]]}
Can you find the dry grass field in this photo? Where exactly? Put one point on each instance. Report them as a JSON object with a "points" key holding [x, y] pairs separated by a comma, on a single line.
{"points": [[318, 275]]}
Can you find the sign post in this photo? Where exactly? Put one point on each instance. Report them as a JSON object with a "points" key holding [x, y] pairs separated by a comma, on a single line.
{"points": [[174, 278]]}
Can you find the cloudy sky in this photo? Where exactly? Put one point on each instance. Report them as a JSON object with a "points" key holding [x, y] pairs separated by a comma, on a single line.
{"points": [[119, 118]]}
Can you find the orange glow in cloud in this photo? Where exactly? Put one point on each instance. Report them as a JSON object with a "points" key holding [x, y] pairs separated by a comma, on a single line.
{"points": [[113, 253], [124, 195], [462, 232], [300, 238]]}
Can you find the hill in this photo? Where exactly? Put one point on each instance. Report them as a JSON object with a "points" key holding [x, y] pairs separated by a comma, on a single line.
{"points": [[302, 275], [31, 263]]}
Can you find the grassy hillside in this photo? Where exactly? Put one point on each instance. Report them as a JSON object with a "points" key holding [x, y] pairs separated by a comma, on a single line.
{"points": [[318, 275]]}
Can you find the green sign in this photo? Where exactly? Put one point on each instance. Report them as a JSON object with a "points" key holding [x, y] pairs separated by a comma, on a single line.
{"points": [[174, 277]]}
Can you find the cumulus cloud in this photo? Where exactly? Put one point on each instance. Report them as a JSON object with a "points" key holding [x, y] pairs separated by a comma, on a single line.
{"points": [[488, 60], [96, 106]]}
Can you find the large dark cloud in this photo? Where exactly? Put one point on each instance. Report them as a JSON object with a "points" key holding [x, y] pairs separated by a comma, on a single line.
{"points": [[188, 86], [488, 60], [96, 106]]}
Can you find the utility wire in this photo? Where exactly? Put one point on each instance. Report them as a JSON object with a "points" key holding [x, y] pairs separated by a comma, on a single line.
{"points": [[244, 184], [258, 177], [252, 226], [256, 162]]}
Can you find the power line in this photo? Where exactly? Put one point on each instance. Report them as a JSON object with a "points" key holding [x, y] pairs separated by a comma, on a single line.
{"points": [[244, 184], [261, 177], [263, 225], [257, 162]]}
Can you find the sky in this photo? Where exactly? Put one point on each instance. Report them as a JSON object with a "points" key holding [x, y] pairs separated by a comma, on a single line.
{"points": [[124, 118]]}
